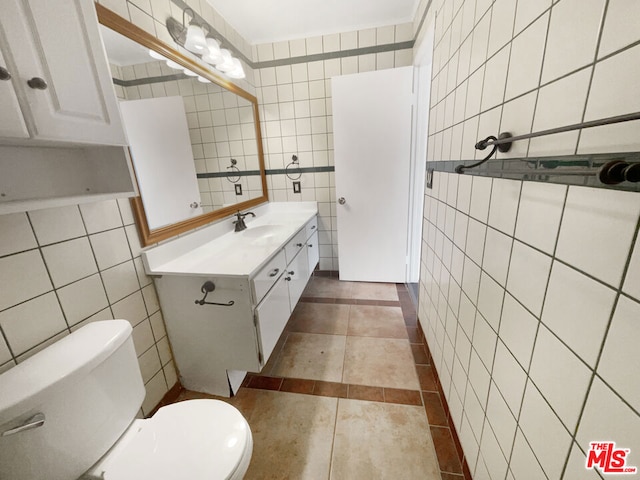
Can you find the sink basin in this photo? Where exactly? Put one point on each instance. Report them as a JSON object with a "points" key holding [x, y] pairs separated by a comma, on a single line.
{"points": [[262, 232]]}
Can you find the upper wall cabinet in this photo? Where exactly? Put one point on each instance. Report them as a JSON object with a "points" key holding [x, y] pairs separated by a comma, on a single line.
{"points": [[61, 136], [55, 83]]}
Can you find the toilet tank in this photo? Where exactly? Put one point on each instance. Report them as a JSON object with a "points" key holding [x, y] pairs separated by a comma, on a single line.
{"points": [[89, 388]]}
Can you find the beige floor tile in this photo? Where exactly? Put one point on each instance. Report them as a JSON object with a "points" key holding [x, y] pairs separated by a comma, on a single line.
{"points": [[292, 434], [382, 440], [370, 321], [380, 362], [328, 288], [375, 291], [313, 356], [320, 318]]}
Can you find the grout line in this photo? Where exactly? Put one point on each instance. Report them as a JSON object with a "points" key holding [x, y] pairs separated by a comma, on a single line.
{"points": [[603, 19]]}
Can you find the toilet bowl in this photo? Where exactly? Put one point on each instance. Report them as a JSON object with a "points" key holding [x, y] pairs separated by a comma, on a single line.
{"points": [[195, 439], [69, 412]]}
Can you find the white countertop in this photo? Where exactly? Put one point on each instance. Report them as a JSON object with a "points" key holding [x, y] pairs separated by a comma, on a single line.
{"points": [[217, 250]]}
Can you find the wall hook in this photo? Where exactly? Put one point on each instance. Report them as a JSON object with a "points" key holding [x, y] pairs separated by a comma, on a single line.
{"points": [[207, 288]]}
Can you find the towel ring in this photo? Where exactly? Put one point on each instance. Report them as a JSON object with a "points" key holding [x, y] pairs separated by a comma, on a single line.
{"points": [[233, 169], [294, 162]]}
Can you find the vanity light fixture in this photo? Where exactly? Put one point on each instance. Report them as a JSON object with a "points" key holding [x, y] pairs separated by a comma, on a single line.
{"points": [[203, 80], [189, 73], [156, 55], [193, 38], [195, 41], [174, 65], [212, 55]]}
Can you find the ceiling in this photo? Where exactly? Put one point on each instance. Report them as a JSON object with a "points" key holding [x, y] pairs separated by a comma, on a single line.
{"points": [[266, 21]]}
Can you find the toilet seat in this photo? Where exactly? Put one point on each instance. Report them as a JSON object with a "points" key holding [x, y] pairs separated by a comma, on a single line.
{"points": [[195, 439]]}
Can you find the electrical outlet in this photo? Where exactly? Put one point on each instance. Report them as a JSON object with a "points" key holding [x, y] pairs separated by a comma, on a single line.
{"points": [[238, 189], [296, 187]]}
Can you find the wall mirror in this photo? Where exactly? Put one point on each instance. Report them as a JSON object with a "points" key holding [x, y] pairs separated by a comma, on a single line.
{"points": [[195, 139]]}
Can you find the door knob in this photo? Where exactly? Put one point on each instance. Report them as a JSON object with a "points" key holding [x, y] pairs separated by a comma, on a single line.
{"points": [[342, 201]]}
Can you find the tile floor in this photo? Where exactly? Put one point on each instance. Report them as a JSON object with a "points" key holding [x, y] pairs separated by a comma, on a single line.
{"points": [[349, 392]]}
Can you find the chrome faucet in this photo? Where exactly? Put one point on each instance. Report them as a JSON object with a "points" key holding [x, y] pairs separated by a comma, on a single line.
{"points": [[239, 223]]}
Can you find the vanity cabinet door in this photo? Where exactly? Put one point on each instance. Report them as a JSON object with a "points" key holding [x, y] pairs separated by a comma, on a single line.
{"points": [[60, 71], [313, 252], [297, 275], [271, 317]]}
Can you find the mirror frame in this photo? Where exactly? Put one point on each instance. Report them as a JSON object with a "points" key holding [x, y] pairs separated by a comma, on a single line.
{"points": [[147, 236]]}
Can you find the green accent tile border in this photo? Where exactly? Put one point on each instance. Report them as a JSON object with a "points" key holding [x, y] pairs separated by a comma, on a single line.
{"points": [[295, 171], [245, 173], [148, 80], [579, 170]]}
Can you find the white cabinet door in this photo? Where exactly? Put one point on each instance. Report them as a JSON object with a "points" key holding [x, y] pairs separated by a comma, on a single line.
{"points": [[11, 121], [59, 43], [313, 253], [272, 315], [297, 274]]}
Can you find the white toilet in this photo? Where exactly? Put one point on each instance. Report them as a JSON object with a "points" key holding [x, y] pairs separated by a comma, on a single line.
{"points": [[69, 412]]}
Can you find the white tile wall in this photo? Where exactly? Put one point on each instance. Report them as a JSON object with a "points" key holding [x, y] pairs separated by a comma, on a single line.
{"points": [[69, 278], [558, 280]]}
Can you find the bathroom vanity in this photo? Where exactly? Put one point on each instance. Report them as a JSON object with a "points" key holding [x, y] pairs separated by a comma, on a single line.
{"points": [[226, 296]]}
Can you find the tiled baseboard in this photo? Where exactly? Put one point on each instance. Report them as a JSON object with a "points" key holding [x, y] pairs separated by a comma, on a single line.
{"points": [[443, 430]]}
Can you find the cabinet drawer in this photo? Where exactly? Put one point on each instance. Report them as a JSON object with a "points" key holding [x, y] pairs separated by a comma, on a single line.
{"points": [[311, 227], [295, 244], [266, 277]]}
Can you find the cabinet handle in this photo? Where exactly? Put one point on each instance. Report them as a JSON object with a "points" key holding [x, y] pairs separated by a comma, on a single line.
{"points": [[274, 272], [312, 227], [291, 273], [288, 279], [37, 83], [4, 74], [310, 245], [298, 244]]}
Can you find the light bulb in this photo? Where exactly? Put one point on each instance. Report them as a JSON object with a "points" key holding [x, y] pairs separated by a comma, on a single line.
{"points": [[203, 80], [195, 41], [174, 65], [227, 61], [238, 71], [212, 54], [156, 55], [190, 73]]}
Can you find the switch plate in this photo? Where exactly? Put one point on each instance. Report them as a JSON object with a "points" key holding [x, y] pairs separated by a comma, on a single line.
{"points": [[429, 177], [238, 189], [296, 187]]}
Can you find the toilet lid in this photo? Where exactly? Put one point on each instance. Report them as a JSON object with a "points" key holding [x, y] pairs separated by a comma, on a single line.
{"points": [[196, 439]]}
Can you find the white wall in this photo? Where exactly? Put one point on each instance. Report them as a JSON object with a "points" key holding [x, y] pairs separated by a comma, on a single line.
{"points": [[530, 292]]}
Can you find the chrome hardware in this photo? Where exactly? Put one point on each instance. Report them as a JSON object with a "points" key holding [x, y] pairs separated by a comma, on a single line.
{"points": [[299, 244], [274, 272], [4, 74], [34, 422], [207, 288], [310, 245], [291, 272], [312, 227], [37, 83], [194, 204], [239, 223], [288, 279], [342, 201]]}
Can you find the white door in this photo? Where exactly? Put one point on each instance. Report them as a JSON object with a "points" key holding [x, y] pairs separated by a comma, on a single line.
{"points": [[163, 159], [372, 143]]}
